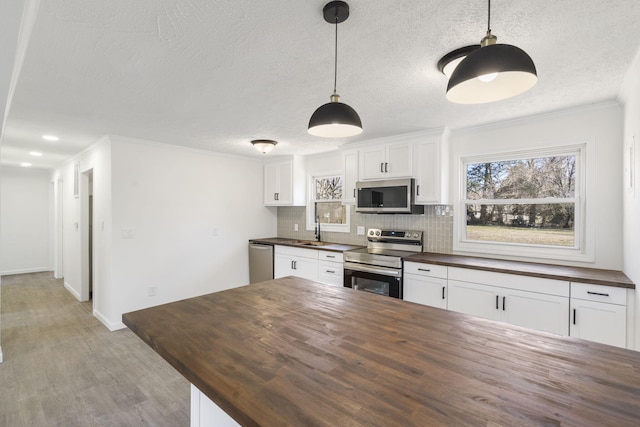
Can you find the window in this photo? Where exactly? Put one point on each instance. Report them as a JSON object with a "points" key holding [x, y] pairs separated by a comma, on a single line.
{"points": [[326, 204], [526, 204]]}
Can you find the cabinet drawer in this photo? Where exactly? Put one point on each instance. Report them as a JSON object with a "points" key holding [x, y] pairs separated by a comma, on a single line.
{"points": [[299, 252], [540, 285], [330, 273], [427, 270], [330, 256], [600, 293]]}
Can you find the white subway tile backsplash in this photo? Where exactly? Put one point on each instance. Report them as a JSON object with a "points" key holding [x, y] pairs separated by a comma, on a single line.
{"points": [[436, 223]]}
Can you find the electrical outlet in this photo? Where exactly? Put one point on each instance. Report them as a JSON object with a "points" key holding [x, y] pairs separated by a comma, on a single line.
{"points": [[126, 233], [153, 291], [361, 230], [295, 227], [214, 232]]}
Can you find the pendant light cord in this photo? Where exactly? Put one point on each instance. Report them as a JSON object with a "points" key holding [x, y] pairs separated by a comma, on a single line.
{"points": [[335, 59], [489, 17]]}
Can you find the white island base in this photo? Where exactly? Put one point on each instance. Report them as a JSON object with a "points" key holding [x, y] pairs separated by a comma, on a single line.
{"points": [[205, 413]]}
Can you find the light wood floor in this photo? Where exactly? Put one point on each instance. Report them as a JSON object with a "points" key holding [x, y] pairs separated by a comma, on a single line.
{"points": [[62, 367]]}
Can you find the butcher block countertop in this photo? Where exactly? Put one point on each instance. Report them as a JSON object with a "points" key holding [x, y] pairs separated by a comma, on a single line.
{"points": [[309, 244], [294, 352], [559, 272]]}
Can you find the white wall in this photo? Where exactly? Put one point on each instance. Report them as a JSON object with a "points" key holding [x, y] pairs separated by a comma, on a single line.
{"points": [[630, 95], [24, 225], [170, 200], [598, 126], [16, 21]]}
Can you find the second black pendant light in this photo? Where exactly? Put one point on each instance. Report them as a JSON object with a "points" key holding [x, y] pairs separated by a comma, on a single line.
{"points": [[335, 119], [491, 73]]}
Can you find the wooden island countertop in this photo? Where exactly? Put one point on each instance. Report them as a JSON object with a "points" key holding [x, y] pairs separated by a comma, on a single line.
{"points": [[294, 352]]}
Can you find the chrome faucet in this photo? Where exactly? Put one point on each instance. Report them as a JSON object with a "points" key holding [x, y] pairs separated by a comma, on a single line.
{"points": [[317, 228]]}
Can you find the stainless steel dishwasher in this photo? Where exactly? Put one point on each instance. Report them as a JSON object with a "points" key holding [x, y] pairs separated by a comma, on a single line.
{"points": [[260, 262]]}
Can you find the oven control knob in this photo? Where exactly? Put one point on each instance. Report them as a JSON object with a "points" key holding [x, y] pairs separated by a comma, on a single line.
{"points": [[371, 232], [377, 232], [415, 235]]}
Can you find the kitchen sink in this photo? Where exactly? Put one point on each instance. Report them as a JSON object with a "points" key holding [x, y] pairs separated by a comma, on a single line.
{"points": [[306, 243]]}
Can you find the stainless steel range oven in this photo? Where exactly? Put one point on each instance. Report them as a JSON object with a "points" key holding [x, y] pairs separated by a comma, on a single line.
{"points": [[378, 267]]}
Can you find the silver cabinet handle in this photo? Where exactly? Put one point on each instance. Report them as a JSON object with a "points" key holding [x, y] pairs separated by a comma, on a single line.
{"points": [[382, 167], [330, 256], [331, 271], [418, 190], [443, 289], [292, 267], [385, 167], [424, 269], [354, 192]]}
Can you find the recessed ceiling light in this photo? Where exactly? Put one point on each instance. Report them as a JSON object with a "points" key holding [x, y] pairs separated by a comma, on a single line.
{"points": [[50, 137], [35, 153], [25, 165]]}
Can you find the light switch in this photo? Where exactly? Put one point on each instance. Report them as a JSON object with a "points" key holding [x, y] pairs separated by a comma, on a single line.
{"points": [[361, 230], [295, 227]]}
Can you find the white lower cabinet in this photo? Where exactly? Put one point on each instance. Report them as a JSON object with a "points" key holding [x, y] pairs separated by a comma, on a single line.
{"points": [[313, 264], [299, 262], [425, 284], [330, 270], [599, 313], [536, 303]]}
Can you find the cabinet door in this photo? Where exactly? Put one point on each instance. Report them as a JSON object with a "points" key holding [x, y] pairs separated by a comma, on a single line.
{"points": [[372, 163], [285, 183], [599, 322], [425, 290], [350, 177], [399, 161], [282, 266], [548, 313], [475, 299], [306, 268], [428, 185], [271, 173]]}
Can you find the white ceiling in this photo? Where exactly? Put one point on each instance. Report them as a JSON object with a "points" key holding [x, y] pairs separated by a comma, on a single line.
{"points": [[216, 74]]}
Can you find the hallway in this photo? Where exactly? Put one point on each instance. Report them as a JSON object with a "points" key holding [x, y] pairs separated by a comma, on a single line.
{"points": [[62, 367]]}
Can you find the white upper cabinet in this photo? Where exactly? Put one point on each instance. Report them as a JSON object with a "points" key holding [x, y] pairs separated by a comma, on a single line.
{"points": [[350, 177], [284, 182], [431, 170], [382, 161]]}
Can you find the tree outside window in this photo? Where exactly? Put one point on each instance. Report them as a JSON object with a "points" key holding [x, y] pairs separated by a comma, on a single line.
{"points": [[529, 201]]}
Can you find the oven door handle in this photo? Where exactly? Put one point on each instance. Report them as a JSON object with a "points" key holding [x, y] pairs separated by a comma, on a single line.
{"points": [[372, 269]]}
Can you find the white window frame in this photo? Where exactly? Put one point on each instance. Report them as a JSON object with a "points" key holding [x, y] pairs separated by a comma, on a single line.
{"points": [[334, 228], [583, 249]]}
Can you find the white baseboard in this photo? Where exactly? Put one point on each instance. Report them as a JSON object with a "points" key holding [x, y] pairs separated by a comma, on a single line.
{"points": [[110, 325], [25, 271], [72, 291]]}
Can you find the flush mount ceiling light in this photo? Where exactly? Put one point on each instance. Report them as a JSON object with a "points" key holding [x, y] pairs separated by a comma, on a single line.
{"points": [[264, 145], [50, 137], [25, 165], [450, 61], [491, 73], [335, 119], [35, 153]]}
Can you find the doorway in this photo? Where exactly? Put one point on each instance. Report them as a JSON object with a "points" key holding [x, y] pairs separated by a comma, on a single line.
{"points": [[86, 235]]}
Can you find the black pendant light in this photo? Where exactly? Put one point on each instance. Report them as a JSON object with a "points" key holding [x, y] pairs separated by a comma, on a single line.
{"points": [[491, 73], [335, 119]]}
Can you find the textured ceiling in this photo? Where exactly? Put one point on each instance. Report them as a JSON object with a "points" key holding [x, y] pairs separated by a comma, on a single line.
{"points": [[216, 74]]}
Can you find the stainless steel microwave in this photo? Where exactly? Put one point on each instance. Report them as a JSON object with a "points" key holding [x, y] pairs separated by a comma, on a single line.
{"points": [[393, 196]]}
